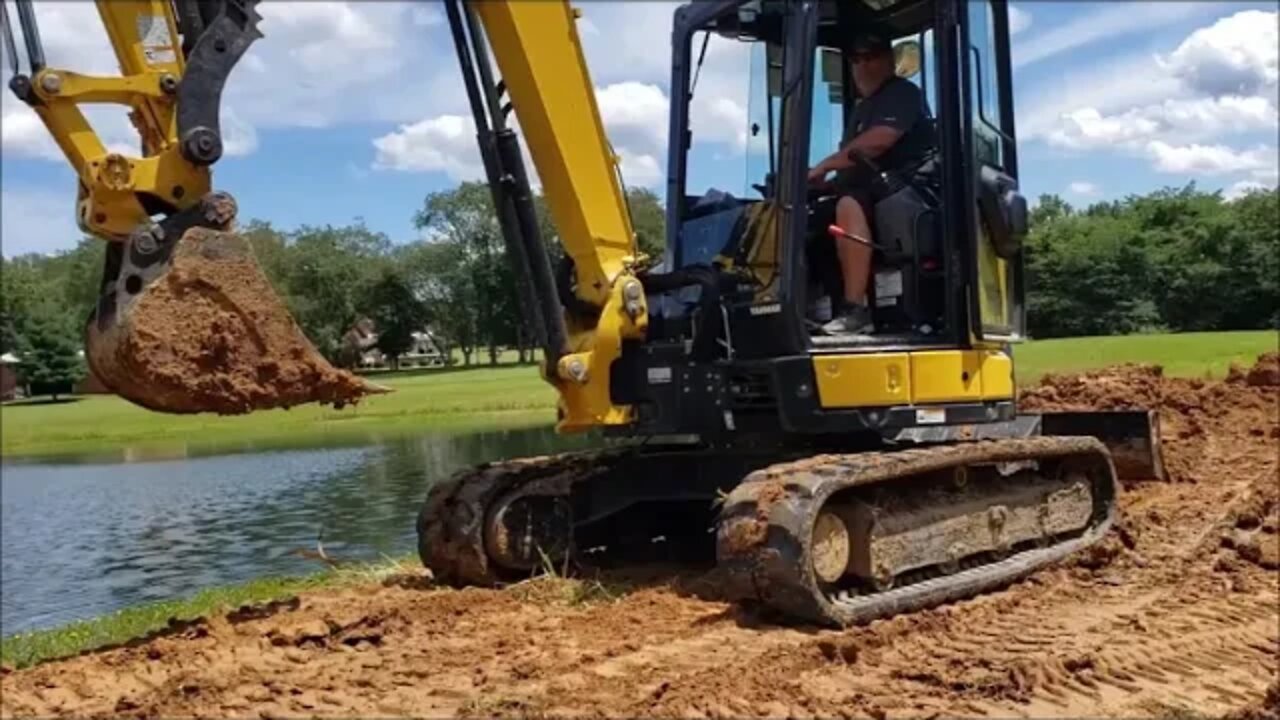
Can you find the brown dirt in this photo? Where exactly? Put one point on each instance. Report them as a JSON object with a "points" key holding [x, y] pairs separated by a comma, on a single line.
{"points": [[1163, 620], [212, 336]]}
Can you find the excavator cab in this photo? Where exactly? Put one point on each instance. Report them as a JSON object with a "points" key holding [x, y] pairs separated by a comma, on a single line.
{"points": [[947, 290], [800, 97]]}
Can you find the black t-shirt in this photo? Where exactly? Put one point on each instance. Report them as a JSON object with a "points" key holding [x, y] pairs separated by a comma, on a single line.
{"points": [[899, 104]]}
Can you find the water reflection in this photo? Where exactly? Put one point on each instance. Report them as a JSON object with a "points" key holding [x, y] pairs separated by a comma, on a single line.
{"points": [[80, 540]]}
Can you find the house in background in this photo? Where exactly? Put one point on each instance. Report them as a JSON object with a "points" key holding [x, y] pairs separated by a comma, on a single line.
{"points": [[359, 349], [9, 388]]}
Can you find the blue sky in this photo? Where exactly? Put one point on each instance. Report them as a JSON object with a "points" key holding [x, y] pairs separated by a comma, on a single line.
{"points": [[356, 110]]}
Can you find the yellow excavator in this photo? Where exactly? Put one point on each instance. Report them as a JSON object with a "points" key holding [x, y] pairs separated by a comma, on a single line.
{"points": [[833, 478]]}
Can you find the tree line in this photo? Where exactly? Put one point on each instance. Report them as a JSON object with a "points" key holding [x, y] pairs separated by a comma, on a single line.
{"points": [[1178, 259], [1175, 260]]}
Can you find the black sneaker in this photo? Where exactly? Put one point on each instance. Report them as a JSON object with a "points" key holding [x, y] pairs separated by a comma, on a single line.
{"points": [[854, 319]]}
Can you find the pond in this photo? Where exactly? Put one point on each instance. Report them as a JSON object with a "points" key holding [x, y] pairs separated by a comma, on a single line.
{"points": [[81, 539]]}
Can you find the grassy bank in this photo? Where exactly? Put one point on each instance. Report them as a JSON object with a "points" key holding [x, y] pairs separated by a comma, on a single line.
{"points": [[122, 626], [449, 400], [486, 398], [1183, 355]]}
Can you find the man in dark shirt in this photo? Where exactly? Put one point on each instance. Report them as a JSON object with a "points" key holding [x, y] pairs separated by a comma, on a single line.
{"points": [[889, 127]]}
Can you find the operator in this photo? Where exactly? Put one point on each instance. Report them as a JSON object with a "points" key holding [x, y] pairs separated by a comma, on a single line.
{"points": [[891, 127]]}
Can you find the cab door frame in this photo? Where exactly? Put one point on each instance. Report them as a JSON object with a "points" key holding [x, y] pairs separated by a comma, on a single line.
{"points": [[979, 177]]}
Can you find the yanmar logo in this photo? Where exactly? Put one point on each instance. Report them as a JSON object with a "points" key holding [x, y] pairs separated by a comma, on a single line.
{"points": [[770, 309]]}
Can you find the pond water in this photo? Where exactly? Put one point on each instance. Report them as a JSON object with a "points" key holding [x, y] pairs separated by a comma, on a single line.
{"points": [[82, 539]]}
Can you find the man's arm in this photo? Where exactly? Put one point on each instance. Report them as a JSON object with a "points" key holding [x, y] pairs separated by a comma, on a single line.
{"points": [[872, 142], [894, 116]]}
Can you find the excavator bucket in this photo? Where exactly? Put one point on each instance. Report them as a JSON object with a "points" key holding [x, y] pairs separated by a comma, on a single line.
{"points": [[192, 325]]}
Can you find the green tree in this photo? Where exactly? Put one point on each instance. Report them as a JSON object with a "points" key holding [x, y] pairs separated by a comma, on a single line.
{"points": [[325, 270], [396, 312], [22, 284], [436, 271], [1047, 209], [648, 220], [1086, 276], [473, 276], [50, 346]]}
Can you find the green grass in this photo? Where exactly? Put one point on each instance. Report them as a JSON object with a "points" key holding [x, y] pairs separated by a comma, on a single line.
{"points": [[461, 400], [440, 400], [120, 627], [1184, 355]]}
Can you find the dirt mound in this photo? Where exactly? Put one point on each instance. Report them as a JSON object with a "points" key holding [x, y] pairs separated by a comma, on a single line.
{"points": [[1165, 619], [1190, 409], [210, 335], [1264, 373], [1122, 387]]}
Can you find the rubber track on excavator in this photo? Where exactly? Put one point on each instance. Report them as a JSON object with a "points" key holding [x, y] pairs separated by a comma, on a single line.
{"points": [[772, 567]]}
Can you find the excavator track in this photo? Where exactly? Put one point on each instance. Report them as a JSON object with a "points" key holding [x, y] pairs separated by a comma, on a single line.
{"points": [[1052, 496], [452, 522], [766, 537]]}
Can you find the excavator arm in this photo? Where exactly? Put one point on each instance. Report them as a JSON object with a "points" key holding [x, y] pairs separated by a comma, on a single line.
{"points": [[152, 343], [583, 312], [185, 321], [173, 67]]}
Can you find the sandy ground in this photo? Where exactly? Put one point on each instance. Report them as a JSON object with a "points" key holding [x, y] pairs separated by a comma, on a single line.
{"points": [[1177, 608]]}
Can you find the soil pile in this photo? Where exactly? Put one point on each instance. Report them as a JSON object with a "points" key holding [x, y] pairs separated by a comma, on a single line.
{"points": [[1176, 620], [211, 335], [1191, 410]]}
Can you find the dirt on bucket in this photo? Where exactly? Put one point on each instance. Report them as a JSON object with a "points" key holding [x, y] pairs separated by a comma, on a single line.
{"points": [[211, 335]]}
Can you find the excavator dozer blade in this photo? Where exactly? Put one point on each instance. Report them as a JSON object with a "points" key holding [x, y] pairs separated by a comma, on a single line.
{"points": [[195, 326], [1131, 436]]}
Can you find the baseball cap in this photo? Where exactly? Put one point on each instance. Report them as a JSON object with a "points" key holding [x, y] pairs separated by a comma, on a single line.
{"points": [[870, 40]]}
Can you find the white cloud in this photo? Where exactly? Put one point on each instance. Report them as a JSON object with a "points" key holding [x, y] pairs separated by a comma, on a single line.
{"points": [[1208, 159], [634, 115], [1267, 175], [22, 133], [1019, 19], [640, 170], [627, 41], [37, 220], [441, 144], [1109, 21], [1177, 111], [1182, 120], [1236, 55], [1242, 188], [1088, 128], [1081, 187], [1111, 88]]}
